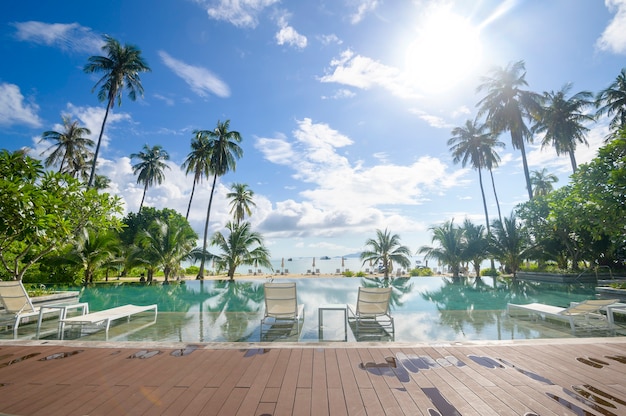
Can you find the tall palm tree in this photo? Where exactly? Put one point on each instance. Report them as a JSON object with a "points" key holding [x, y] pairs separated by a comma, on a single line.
{"points": [[71, 147], [241, 201], [507, 104], [121, 67], [150, 167], [474, 144], [509, 243], [242, 246], [542, 181], [225, 151], [476, 245], [93, 250], [612, 102], [198, 161], [386, 249], [450, 246], [561, 120]]}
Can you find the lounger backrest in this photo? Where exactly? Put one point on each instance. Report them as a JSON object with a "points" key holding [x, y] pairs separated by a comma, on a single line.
{"points": [[588, 306], [281, 300], [373, 301], [14, 297]]}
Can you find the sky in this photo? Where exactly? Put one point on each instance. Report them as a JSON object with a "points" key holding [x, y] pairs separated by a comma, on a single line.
{"points": [[345, 107]]}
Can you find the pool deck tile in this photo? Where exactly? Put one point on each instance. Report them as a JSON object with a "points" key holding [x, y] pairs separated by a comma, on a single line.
{"points": [[539, 377]]}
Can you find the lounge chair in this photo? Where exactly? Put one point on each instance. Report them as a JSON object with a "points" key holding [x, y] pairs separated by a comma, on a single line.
{"points": [[580, 315], [371, 312], [105, 317], [282, 310], [18, 306]]}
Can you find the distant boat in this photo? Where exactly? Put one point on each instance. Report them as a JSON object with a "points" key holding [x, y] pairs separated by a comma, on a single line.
{"points": [[324, 258], [289, 259]]}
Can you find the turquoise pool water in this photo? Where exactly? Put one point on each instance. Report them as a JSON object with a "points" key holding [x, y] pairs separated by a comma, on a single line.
{"points": [[426, 309]]}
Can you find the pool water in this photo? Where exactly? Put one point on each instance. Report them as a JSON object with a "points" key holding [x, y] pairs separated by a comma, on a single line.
{"points": [[425, 309]]}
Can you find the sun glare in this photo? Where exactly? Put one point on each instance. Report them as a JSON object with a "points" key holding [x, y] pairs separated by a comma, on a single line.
{"points": [[447, 48]]}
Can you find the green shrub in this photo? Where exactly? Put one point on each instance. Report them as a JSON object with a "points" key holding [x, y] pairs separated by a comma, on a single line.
{"points": [[192, 270], [421, 271], [348, 273], [489, 272], [360, 274]]}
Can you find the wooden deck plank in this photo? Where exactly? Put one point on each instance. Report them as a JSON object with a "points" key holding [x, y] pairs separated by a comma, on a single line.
{"points": [[319, 385], [303, 402], [287, 394], [257, 389], [352, 394]]}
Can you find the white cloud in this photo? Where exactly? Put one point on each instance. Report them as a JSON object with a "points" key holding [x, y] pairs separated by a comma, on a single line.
{"points": [[432, 120], [241, 13], [288, 35], [340, 94], [364, 7], [70, 37], [613, 38], [14, 109], [201, 80], [329, 39]]}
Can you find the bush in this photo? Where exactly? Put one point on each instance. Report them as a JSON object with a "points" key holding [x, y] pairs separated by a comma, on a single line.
{"points": [[421, 271], [360, 274], [348, 273], [192, 270], [489, 272]]}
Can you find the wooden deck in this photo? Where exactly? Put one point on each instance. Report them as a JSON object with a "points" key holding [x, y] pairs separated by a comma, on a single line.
{"points": [[543, 377]]}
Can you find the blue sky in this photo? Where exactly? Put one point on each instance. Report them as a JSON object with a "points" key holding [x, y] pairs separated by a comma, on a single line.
{"points": [[344, 106]]}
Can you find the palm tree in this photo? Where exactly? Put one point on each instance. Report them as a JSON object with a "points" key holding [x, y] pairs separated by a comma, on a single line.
{"points": [[241, 201], [150, 167], [612, 102], [476, 245], [121, 67], [475, 145], [386, 249], [225, 151], [506, 105], [71, 148], [241, 247], [561, 118], [542, 181], [509, 243], [198, 162], [450, 249], [93, 250]]}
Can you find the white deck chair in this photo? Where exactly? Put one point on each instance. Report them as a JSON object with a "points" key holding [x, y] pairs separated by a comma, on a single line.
{"points": [[583, 315], [281, 305], [105, 317], [16, 303], [372, 310]]}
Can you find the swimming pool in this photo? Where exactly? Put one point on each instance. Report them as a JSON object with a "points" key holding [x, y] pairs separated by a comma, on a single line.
{"points": [[426, 309]]}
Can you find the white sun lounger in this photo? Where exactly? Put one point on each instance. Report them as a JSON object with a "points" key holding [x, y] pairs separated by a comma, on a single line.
{"points": [[584, 315], [105, 317]]}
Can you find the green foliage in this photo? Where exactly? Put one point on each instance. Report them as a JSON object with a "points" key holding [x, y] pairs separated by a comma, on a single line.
{"points": [[386, 250], [241, 246], [421, 271], [620, 285], [192, 270], [360, 274], [489, 272]]}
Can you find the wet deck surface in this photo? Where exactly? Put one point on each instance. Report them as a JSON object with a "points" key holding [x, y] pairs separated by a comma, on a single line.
{"points": [[549, 377]]}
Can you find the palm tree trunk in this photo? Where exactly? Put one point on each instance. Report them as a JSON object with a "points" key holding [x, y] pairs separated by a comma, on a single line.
{"points": [[572, 159], [95, 155], [193, 189], [206, 230], [482, 192], [495, 194], [145, 189], [526, 171]]}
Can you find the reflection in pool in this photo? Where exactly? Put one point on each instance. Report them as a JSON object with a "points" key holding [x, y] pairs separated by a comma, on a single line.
{"points": [[426, 309]]}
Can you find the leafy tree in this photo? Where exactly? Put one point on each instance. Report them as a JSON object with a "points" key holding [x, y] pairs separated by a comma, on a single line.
{"points": [[225, 151], [450, 249], [121, 68], [92, 250], [241, 246], [507, 104], [561, 120], [509, 243], [476, 245], [41, 212], [150, 167], [241, 201], [387, 250], [612, 102], [70, 149], [198, 161], [542, 181]]}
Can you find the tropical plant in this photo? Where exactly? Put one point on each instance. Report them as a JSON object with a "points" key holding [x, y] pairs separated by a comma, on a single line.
{"points": [[386, 250], [70, 149], [473, 144], [476, 246], [449, 251], [121, 67], [225, 151], [509, 243], [93, 250], [241, 201], [561, 120], [612, 102], [241, 246], [150, 167], [198, 161], [542, 181], [507, 104]]}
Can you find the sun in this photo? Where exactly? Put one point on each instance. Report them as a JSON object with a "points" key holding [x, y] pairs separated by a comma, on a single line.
{"points": [[446, 50]]}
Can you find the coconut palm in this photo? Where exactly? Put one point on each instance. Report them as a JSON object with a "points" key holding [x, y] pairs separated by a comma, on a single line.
{"points": [[450, 246], [612, 102], [241, 201], [240, 247], [561, 120], [509, 243], [121, 67], [474, 144], [386, 250], [542, 181], [150, 167], [476, 245], [225, 151], [506, 105], [198, 161], [93, 250], [70, 149]]}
